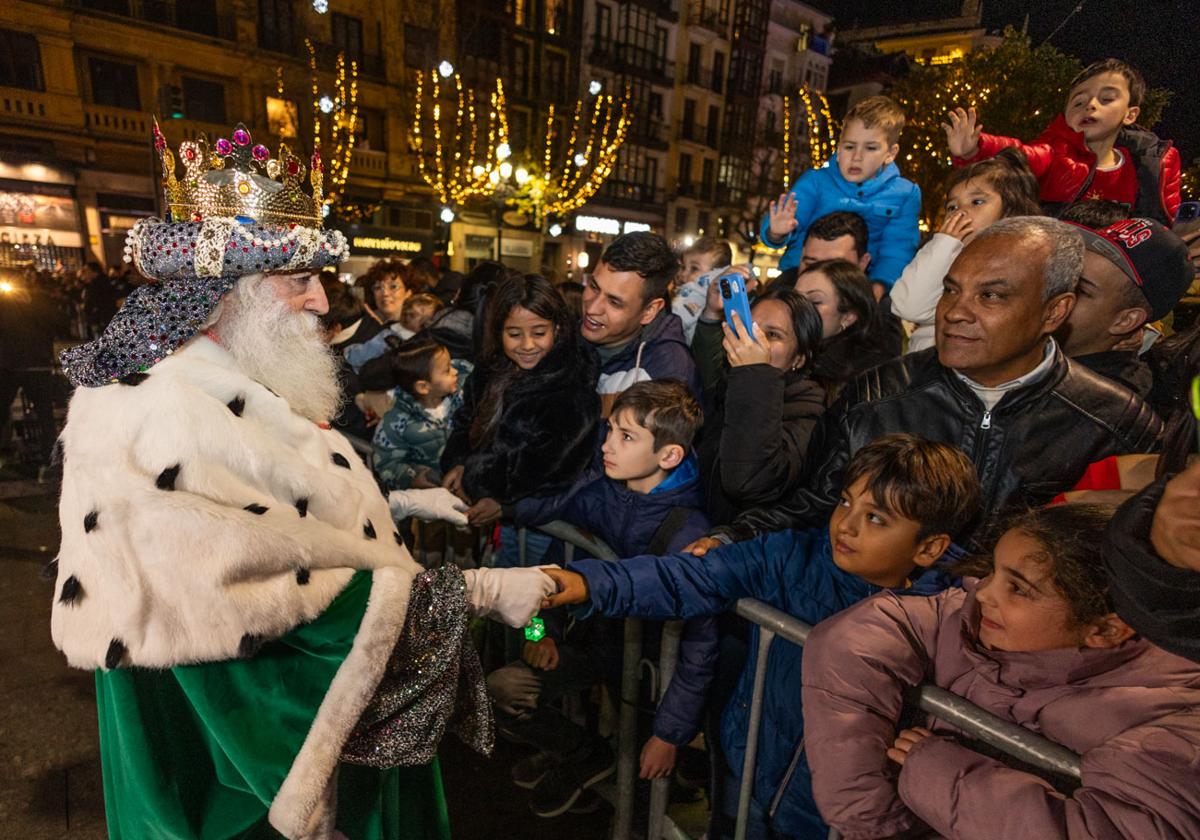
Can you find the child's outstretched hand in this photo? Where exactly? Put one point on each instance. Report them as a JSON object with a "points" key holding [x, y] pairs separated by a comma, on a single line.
{"points": [[962, 134], [542, 655], [572, 588], [905, 741], [658, 759], [782, 215], [957, 224]]}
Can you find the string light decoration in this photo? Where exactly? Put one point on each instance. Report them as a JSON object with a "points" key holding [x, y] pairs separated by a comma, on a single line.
{"points": [[341, 121], [787, 143], [821, 126], [585, 161], [457, 151]]}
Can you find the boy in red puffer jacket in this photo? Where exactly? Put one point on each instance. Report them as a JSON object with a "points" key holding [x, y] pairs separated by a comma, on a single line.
{"points": [[1092, 150]]}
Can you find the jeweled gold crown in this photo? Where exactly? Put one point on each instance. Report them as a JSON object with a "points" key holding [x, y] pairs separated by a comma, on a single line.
{"points": [[238, 178]]}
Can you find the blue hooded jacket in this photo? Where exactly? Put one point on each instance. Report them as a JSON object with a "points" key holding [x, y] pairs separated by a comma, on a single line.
{"points": [[888, 203], [661, 351], [792, 571], [627, 522]]}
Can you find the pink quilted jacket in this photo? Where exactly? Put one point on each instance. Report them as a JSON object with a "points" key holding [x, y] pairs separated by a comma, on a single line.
{"points": [[1132, 712]]}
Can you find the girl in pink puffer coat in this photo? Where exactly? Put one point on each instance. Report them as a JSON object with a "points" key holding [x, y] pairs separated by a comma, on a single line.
{"points": [[1035, 642]]}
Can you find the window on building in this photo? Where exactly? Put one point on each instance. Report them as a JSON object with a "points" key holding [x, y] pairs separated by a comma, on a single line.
{"points": [[681, 218], [420, 46], [283, 117], [708, 171], [685, 171], [775, 77], [718, 76], [116, 7], [603, 26], [703, 220], [198, 16], [714, 125], [521, 12], [660, 41], [203, 100], [556, 17], [114, 83], [518, 67], [554, 75], [693, 68], [348, 36], [655, 105], [277, 25], [370, 130], [689, 119], [518, 130], [650, 174], [20, 61]]}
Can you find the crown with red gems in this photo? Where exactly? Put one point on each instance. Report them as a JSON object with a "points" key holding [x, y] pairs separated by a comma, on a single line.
{"points": [[237, 178]]}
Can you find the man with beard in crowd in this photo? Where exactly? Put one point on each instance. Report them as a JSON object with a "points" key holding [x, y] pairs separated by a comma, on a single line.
{"points": [[262, 639]]}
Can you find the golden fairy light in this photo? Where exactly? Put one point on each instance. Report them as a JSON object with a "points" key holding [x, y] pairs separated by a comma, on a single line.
{"points": [[821, 127], [457, 149], [340, 113], [584, 162]]}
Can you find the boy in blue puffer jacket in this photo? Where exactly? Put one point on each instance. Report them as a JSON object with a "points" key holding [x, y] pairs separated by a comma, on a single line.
{"points": [[647, 500], [903, 500], [861, 178]]}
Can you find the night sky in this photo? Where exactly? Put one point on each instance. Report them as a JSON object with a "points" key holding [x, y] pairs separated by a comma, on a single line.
{"points": [[1159, 37]]}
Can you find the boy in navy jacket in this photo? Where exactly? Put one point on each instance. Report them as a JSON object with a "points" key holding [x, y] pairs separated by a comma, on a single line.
{"points": [[903, 499], [647, 500]]}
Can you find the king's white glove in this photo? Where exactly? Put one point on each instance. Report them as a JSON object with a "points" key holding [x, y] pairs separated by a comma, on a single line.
{"points": [[431, 504], [512, 596]]}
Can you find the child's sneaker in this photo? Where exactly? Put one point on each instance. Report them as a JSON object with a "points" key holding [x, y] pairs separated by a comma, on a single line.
{"points": [[527, 772], [558, 791]]}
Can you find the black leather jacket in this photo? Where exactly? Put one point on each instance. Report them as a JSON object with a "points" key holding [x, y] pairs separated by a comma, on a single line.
{"points": [[1035, 443]]}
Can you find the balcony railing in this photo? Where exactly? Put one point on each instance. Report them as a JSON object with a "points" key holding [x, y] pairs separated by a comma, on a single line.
{"points": [[708, 15], [627, 58], [631, 193], [369, 163], [105, 121], [645, 131], [177, 14], [694, 133]]}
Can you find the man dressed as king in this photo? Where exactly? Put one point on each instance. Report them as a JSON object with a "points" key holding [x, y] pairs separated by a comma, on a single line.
{"points": [[269, 658]]}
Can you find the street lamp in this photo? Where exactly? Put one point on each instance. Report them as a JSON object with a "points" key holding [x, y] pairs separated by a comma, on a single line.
{"points": [[595, 87], [325, 104], [446, 69], [447, 215], [556, 229]]}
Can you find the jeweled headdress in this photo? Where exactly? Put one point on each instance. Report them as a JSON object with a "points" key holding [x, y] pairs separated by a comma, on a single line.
{"points": [[239, 178], [235, 211]]}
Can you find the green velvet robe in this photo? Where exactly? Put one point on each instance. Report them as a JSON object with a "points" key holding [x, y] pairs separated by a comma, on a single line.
{"points": [[199, 751]]}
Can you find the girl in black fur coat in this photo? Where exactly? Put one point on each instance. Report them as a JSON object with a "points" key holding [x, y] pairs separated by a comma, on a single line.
{"points": [[528, 421]]}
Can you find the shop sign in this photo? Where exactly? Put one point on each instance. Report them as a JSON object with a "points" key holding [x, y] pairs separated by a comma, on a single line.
{"points": [[607, 226], [516, 248], [385, 243]]}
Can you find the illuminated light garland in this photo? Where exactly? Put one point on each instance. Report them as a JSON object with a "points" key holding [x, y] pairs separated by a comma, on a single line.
{"points": [[586, 161], [821, 127], [787, 143], [449, 156], [343, 120]]}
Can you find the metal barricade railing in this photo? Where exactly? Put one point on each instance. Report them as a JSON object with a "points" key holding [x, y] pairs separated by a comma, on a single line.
{"points": [[658, 823], [1007, 737]]}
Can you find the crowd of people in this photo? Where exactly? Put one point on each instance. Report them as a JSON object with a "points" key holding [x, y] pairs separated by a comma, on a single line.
{"points": [[942, 429], [918, 450]]}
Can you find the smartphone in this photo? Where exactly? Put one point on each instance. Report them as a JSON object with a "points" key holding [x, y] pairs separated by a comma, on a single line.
{"points": [[735, 299]]}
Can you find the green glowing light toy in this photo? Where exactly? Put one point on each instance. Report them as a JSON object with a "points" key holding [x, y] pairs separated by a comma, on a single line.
{"points": [[535, 630]]}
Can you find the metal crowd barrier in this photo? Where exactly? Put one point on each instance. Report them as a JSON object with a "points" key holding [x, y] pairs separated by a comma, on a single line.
{"points": [[1008, 738]]}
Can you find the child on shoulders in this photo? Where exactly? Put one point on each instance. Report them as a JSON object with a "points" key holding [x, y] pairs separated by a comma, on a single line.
{"points": [[1094, 149], [862, 178], [1035, 642], [646, 500], [903, 500], [702, 263]]}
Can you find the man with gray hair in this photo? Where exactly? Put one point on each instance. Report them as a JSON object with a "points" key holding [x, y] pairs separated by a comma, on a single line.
{"points": [[996, 385]]}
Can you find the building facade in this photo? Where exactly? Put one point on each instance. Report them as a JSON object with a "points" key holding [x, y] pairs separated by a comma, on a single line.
{"points": [[88, 77]]}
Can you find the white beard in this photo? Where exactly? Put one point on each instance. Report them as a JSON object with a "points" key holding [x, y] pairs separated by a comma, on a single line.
{"points": [[282, 349]]}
